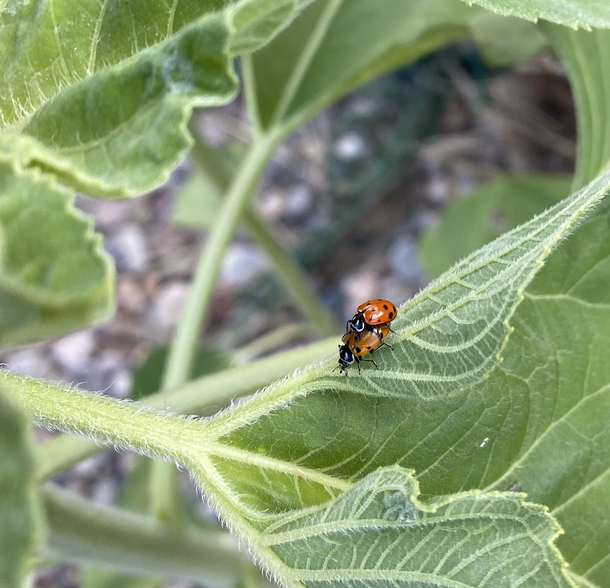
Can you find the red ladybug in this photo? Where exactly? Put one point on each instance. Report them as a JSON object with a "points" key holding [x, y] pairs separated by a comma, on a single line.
{"points": [[355, 346], [373, 313]]}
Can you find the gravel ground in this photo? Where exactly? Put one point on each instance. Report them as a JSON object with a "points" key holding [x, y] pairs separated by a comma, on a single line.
{"points": [[349, 195]]}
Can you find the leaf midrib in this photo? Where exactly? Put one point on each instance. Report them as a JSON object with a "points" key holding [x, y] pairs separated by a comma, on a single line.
{"points": [[307, 55], [343, 575], [278, 465], [345, 525]]}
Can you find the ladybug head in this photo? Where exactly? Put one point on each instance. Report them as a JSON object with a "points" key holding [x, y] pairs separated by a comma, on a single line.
{"points": [[357, 322], [346, 358]]}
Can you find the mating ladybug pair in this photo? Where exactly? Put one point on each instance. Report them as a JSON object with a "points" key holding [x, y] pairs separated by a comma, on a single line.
{"points": [[365, 332]]}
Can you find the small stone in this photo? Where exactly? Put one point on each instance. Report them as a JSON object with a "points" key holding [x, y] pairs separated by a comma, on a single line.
{"points": [[131, 297], [129, 248], [104, 491], [351, 146], [30, 362], [89, 467], [421, 222], [272, 204], [121, 384], [439, 190], [364, 106], [107, 372], [298, 203], [360, 287], [241, 263], [404, 259], [107, 213], [73, 352], [169, 304]]}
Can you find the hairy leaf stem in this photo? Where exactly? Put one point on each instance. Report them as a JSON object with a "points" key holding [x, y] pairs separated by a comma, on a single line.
{"points": [[56, 455]]}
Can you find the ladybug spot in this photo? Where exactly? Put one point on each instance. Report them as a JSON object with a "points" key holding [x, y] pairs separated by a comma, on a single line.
{"points": [[391, 315], [385, 306], [357, 349], [368, 347]]}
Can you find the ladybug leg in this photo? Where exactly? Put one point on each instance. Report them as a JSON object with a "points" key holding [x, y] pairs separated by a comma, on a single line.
{"points": [[386, 345], [370, 361], [392, 330], [358, 360]]}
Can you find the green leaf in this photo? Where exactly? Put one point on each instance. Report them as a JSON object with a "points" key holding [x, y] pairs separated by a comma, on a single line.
{"points": [[474, 220], [19, 509], [54, 275], [572, 13], [379, 533], [453, 399], [536, 416], [504, 42], [337, 45], [561, 455], [101, 92], [586, 56]]}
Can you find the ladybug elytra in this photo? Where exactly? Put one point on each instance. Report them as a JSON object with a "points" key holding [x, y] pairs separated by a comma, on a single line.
{"points": [[373, 313]]}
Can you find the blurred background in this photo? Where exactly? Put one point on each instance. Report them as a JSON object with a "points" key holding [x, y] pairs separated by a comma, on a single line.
{"points": [[357, 197]]}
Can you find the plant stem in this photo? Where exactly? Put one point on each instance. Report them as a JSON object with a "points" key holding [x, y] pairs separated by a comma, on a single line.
{"points": [[132, 426], [307, 55], [164, 491], [216, 389], [108, 537], [251, 97], [184, 345], [165, 495], [289, 273], [271, 341]]}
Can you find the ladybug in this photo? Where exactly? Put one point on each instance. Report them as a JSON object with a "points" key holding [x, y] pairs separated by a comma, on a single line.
{"points": [[355, 346], [372, 313]]}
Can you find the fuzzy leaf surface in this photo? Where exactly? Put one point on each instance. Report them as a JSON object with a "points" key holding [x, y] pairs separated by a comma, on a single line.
{"points": [[100, 92], [379, 533], [571, 13], [453, 399], [54, 274]]}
